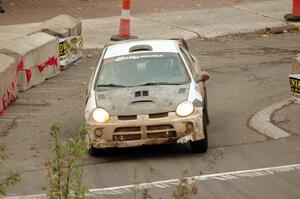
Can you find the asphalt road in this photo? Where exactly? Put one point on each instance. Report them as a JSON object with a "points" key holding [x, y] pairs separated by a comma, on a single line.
{"points": [[248, 73]]}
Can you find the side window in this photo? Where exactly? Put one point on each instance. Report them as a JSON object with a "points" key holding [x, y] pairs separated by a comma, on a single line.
{"points": [[97, 69], [189, 61]]}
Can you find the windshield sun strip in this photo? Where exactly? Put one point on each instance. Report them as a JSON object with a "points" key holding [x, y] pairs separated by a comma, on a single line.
{"points": [[177, 56]]}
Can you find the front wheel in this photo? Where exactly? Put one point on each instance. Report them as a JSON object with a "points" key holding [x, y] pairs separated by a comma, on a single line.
{"points": [[201, 146], [91, 150]]}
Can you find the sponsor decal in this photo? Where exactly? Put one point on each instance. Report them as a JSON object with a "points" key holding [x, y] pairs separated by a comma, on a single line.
{"points": [[70, 49], [136, 57], [295, 86]]}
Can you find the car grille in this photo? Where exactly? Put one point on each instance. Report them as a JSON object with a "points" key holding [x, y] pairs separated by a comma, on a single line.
{"points": [[127, 133], [127, 117], [160, 131], [137, 133], [151, 116], [158, 115], [127, 137], [128, 129]]}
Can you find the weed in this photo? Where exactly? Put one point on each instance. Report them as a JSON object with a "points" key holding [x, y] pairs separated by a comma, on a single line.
{"points": [[12, 178], [65, 170], [186, 188]]}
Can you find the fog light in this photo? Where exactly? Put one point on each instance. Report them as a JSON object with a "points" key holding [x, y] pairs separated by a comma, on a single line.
{"points": [[189, 126], [98, 132]]}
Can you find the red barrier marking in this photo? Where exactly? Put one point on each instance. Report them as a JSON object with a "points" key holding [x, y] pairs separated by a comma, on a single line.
{"points": [[28, 74], [296, 7]]}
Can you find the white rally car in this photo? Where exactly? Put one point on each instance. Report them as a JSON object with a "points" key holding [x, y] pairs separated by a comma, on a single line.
{"points": [[145, 92]]}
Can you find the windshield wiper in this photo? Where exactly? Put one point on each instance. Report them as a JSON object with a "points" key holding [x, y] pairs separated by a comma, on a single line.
{"points": [[159, 83], [110, 85]]}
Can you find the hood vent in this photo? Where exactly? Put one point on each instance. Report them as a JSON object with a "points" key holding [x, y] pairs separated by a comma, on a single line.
{"points": [[140, 48], [141, 101], [138, 94], [145, 93], [141, 93]]}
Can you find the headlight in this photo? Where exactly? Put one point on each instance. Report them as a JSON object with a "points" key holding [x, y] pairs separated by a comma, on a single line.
{"points": [[185, 109], [100, 115]]}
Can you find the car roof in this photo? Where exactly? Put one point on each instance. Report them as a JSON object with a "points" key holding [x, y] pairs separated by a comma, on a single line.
{"points": [[157, 45]]}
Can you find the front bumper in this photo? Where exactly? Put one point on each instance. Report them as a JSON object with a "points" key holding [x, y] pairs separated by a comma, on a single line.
{"points": [[144, 130]]}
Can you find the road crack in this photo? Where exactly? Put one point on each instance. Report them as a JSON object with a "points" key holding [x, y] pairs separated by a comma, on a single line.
{"points": [[12, 125]]}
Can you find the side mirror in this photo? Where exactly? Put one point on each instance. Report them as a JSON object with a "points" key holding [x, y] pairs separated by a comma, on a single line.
{"points": [[202, 76]]}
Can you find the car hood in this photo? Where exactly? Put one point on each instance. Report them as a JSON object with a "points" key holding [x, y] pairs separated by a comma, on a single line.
{"points": [[141, 100]]}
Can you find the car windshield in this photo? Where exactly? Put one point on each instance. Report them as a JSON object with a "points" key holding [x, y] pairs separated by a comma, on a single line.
{"points": [[142, 70]]}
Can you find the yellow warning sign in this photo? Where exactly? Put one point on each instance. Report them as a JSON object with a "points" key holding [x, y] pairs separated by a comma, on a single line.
{"points": [[70, 49]]}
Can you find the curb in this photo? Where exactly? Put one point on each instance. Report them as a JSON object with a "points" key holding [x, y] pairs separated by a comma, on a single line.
{"points": [[261, 121], [281, 29]]}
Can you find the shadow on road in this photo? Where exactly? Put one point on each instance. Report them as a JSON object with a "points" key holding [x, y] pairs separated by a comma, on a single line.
{"points": [[142, 153]]}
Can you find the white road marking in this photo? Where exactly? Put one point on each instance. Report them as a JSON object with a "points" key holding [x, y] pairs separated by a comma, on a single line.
{"points": [[233, 175], [261, 121]]}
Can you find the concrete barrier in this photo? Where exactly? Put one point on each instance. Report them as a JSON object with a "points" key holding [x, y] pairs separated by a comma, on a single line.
{"points": [[68, 29], [30, 60], [295, 79], [37, 58], [8, 81]]}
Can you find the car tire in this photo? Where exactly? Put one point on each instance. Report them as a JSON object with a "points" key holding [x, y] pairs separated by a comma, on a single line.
{"points": [[201, 146], [206, 114], [205, 108], [93, 151]]}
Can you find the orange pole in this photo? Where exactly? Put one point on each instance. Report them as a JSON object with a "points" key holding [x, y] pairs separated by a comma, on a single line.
{"points": [[295, 16], [124, 28]]}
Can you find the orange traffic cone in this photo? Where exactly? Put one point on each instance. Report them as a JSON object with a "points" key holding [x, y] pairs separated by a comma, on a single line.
{"points": [[296, 12], [124, 29]]}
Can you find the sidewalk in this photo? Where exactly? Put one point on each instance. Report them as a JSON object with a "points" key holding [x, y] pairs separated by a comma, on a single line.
{"points": [[206, 23]]}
